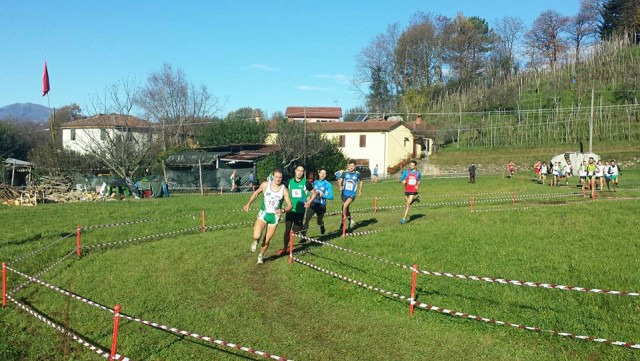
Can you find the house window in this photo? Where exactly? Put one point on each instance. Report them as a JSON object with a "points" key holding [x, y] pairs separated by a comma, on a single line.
{"points": [[73, 134], [341, 142], [363, 140], [103, 134]]}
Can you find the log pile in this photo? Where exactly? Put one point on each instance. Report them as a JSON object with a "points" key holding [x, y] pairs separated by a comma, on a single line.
{"points": [[50, 190]]}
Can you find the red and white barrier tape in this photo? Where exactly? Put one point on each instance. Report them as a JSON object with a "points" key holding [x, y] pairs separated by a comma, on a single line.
{"points": [[55, 326], [480, 278], [467, 195], [126, 223], [461, 314], [45, 270], [205, 338], [153, 236], [37, 251], [148, 323]]}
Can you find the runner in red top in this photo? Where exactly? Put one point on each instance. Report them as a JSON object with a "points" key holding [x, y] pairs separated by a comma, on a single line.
{"points": [[411, 179]]}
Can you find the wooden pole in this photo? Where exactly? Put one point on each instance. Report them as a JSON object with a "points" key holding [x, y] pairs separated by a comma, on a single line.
{"points": [[200, 172]]}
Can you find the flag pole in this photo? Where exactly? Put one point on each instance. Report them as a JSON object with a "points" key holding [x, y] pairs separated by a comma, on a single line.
{"points": [[52, 119]]}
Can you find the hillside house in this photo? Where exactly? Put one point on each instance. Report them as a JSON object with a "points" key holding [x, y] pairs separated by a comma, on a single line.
{"points": [[380, 142], [84, 135]]}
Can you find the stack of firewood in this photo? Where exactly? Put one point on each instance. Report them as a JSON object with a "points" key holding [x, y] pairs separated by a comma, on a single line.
{"points": [[49, 189]]}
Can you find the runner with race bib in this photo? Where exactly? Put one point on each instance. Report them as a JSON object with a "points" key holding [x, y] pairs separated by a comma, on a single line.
{"points": [[411, 179], [350, 184]]}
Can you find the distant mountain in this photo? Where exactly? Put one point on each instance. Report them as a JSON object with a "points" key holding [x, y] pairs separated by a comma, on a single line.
{"points": [[25, 112]]}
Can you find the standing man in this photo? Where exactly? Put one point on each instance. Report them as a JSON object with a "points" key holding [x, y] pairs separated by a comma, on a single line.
{"points": [[374, 178], [472, 173], [323, 193], [411, 179], [298, 187], [232, 180], [270, 210], [252, 181], [348, 184]]}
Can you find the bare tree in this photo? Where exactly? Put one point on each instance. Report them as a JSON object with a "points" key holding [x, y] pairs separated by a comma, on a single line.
{"points": [[121, 141], [584, 25], [508, 32], [545, 36], [376, 68], [172, 102]]}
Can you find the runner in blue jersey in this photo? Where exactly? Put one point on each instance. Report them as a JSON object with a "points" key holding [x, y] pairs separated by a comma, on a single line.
{"points": [[348, 184], [323, 193]]}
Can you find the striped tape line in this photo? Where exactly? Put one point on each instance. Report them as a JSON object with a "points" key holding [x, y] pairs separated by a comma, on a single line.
{"points": [[65, 332], [45, 270], [479, 278], [39, 250], [174, 330], [462, 314]]}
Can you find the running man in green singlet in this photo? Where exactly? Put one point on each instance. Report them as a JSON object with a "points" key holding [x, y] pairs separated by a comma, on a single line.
{"points": [[269, 215]]}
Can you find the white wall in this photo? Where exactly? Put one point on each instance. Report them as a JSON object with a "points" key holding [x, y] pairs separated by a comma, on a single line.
{"points": [[86, 139]]}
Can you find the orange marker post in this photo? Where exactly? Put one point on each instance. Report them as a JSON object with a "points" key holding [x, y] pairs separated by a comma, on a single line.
{"points": [[375, 205], [413, 288], [513, 198], [204, 225], [78, 240], [114, 340]]}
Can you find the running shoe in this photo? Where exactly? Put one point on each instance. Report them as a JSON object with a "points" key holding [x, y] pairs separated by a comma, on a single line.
{"points": [[352, 223], [254, 246], [281, 252], [402, 221], [260, 261], [322, 229]]}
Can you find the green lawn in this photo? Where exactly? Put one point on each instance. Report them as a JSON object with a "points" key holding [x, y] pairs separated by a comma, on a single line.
{"points": [[208, 283]]}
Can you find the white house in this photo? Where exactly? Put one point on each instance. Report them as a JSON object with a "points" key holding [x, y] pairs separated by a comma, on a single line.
{"points": [[85, 135], [385, 143]]}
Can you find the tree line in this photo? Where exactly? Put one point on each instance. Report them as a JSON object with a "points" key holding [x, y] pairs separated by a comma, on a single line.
{"points": [[413, 69]]}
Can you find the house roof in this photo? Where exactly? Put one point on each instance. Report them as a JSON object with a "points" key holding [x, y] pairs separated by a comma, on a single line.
{"points": [[313, 112], [374, 125], [250, 155], [108, 121]]}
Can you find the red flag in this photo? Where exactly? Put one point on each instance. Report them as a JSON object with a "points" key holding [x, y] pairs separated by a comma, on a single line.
{"points": [[45, 80]]}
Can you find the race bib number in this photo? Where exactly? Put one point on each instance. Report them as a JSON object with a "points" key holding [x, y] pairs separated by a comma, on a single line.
{"points": [[273, 203], [349, 185], [412, 181], [296, 193]]}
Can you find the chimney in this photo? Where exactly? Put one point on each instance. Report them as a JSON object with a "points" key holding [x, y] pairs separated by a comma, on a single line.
{"points": [[419, 120]]}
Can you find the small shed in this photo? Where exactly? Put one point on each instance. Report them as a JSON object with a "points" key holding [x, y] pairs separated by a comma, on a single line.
{"points": [[17, 172]]}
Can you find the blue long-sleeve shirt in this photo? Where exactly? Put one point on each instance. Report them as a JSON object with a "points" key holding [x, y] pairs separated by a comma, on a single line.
{"points": [[327, 191]]}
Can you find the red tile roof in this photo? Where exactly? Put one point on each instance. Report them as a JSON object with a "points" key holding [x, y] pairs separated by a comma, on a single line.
{"points": [[108, 121], [313, 112], [374, 125]]}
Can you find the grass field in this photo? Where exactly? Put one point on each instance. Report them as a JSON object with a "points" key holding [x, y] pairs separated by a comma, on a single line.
{"points": [[208, 283]]}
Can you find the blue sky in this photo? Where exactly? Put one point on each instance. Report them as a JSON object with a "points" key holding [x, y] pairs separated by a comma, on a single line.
{"points": [[260, 54]]}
